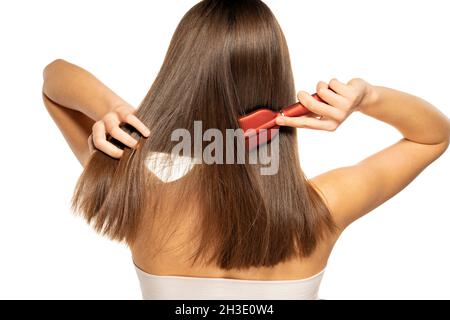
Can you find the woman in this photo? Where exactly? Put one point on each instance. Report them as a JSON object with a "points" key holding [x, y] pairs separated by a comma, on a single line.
{"points": [[221, 231]]}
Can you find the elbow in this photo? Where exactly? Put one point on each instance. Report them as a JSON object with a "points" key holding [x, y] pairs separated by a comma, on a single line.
{"points": [[49, 68], [49, 72], [448, 131], [446, 144], [443, 146], [447, 140]]}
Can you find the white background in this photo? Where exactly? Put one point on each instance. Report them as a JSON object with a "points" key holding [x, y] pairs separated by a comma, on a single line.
{"points": [[398, 251]]}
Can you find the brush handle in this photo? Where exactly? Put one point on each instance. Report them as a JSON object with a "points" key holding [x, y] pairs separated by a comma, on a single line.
{"points": [[297, 109]]}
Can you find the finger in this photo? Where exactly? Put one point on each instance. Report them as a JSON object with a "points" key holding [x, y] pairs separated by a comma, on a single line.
{"points": [[313, 115], [136, 123], [340, 87], [320, 85], [120, 135], [108, 148], [100, 142], [91, 144], [320, 108], [308, 122], [332, 98], [111, 120]]}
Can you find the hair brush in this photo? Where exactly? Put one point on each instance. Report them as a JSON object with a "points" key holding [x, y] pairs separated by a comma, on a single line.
{"points": [[262, 120]]}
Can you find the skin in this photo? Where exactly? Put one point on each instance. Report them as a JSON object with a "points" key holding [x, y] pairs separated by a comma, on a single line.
{"points": [[86, 111]]}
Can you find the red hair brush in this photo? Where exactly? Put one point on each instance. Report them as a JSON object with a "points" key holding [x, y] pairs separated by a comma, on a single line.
{"points": [[257, 124]]}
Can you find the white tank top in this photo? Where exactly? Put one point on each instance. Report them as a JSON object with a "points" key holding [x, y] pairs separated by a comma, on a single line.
{"points": [[169, 168], [155, 287]]}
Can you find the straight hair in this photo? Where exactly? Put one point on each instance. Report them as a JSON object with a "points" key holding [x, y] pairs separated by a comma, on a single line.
{"points": [[225, 59]]}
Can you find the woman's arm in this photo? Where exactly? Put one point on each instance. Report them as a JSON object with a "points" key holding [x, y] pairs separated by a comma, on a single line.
{"points": [[78, 103], [415, 118], [355, 190], [77, 89], [75, 127]]}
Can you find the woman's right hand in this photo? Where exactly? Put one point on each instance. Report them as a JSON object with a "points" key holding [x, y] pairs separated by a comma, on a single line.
{"points": [[340, 100], [109, 125]]}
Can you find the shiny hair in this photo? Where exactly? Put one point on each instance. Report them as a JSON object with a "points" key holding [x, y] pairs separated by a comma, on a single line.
{"points": [[225, 59]]}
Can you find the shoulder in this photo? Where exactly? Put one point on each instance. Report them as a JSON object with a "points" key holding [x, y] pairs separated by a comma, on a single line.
{"points": [[345, 191]]}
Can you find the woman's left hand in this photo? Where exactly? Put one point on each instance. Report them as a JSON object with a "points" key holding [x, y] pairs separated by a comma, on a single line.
{"points": [[339, 101]]}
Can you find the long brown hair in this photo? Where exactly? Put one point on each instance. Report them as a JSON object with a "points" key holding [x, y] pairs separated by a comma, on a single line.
{"points": [[226, 58]]}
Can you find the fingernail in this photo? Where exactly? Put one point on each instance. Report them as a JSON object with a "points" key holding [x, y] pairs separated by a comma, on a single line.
{"points": [[280, 121], [147, 133]]}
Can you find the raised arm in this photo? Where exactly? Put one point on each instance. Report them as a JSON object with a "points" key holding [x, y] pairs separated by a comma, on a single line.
{"points": [[80, 105], [355, 190]]}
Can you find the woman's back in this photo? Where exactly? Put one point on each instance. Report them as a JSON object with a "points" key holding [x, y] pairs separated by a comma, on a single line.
{"points": [[162, 255], [168, 239], [166, 242], [165, 246]]}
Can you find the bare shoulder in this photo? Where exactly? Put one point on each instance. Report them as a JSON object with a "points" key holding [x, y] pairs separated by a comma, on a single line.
{"points": [[336, 189], [353, 191]]}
